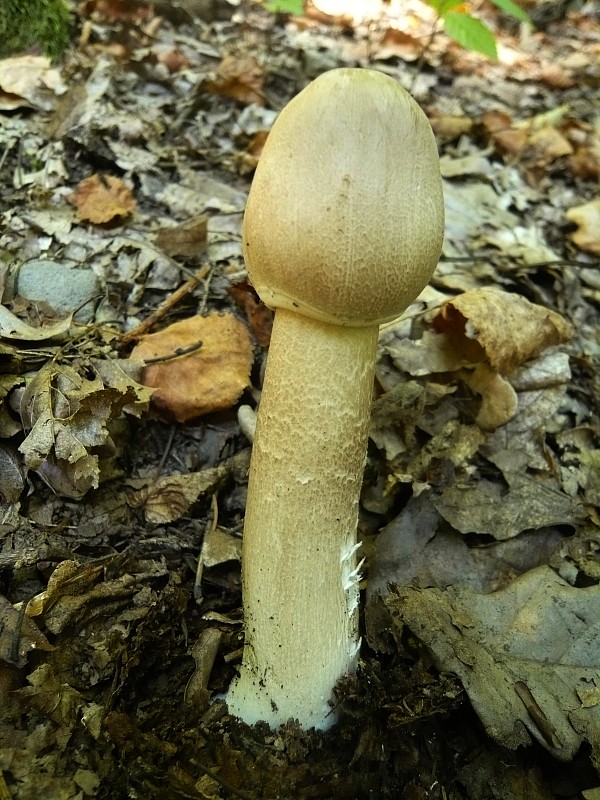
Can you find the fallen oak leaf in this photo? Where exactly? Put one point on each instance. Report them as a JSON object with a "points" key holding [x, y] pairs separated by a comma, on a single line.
{"points": [[101, 199]]}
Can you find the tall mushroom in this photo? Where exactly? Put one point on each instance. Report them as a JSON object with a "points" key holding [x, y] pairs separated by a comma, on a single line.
{"points": [[342, 230]]}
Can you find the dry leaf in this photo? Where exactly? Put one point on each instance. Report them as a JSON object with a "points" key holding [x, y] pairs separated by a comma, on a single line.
{"points": [[260, 318], [397, 44], [587, 218], [66, 417], [12, 327], [186, 240], [447, 128], [102, 199], [28, 81], [169, 498], [527, 655], [499, 400], [508, 328], [18, 636], [134, 11], [499, 127], [239, 78], [210, 374], [546, 145]]}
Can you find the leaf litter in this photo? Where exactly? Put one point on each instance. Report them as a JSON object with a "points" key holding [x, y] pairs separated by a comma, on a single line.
{"points": [[121, 529]]}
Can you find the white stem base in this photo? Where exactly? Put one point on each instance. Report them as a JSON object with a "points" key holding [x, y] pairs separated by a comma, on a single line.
{"points": [[299, 565]]}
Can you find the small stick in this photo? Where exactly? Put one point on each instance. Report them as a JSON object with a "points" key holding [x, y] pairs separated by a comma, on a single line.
{"points": [[164, 308]]}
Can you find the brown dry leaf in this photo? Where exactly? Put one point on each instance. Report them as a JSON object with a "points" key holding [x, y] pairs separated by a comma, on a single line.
{"points": [[397, 44], [556, 75], [67, 419], [247, 159], [28, 81], [508, 328], [546, 145], [68, 579], [585, 163], [101, 199], [169, 498], [448, 127], [135, 11], [587, 218], [186, 240], [18, 636], [507, 139], [498, 398], [209, 377], [240, 78], [260, 318]]}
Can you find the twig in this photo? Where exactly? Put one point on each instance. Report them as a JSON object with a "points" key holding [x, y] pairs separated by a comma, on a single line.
{"points": [[165, 307]]}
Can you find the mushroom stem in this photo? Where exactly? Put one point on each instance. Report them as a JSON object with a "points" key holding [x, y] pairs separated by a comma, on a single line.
{"points": [[300, 576]]}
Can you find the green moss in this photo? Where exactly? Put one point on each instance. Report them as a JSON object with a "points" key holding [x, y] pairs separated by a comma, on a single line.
{"points": [[26, 23]]}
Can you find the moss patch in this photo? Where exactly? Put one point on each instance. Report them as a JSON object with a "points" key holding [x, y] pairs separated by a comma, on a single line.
{"points": [[26, 23]]}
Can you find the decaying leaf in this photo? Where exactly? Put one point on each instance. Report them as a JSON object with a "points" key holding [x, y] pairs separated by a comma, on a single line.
{"points": [[259, 316], [67, 419], [206, 365], [19, 636], [187, 240], [169, 498], [587, 219], [28, 81], [484, 506], [508, 328], [527, 655], [12, 478], [240, 78], [12, 327], [102, 198]]}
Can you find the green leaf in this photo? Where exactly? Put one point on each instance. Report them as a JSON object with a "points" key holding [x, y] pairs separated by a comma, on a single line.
{"points": [[471, 33], [295, 7], [447, 5], [442, 7], [513, 9]]}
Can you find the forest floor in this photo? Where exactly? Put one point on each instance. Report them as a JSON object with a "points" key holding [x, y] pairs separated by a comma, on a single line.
{"points": [[124, 171]]}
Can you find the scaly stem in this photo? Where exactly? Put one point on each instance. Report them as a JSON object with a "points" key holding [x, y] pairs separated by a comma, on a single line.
{"points": [[299, 565]]}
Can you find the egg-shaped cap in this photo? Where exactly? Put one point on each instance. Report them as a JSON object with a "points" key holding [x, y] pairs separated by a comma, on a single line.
{"points": [[345, 216]]}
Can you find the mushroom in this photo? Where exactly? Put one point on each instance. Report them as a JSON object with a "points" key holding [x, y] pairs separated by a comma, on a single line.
{"points": [[342, 230]]}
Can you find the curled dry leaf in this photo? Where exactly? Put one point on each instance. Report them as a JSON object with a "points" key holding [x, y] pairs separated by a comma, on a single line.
{"points": [[206, 367], [28, 81], [587, 219], [101, 199], [497, 332], [18, 636], [508, 328], [67, 419], [239, 78]]}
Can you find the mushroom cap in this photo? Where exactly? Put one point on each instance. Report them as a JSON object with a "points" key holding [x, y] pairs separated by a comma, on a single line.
{"points": [[345, 217]]}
